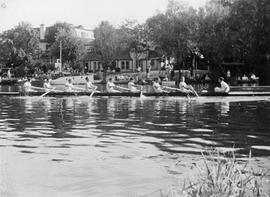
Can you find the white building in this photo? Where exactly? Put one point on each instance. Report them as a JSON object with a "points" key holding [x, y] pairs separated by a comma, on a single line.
{"points": [[81, 32]]}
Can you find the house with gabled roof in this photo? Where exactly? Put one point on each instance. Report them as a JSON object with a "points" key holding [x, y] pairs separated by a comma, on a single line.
{"points": [[93, 62], [124, 62]]}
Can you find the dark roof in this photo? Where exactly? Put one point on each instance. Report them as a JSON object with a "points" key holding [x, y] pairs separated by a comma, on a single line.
{"points": [[123, 55], [151, 55], [93, 56]]}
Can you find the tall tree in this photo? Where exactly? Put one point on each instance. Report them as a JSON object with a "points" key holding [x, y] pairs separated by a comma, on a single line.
{"points": [[132, 37], [213, 31], [174, 30], [73, 48], [19, 46], [106, 43]]}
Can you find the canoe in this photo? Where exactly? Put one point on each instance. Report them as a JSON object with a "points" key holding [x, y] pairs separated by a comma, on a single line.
{"points": [[130, 94]]}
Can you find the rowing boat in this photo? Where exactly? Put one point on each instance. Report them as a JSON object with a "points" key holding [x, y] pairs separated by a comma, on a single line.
{"points": [[137, 94]]}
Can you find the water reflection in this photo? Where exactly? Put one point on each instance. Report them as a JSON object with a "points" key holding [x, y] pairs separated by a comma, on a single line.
{"points": [[225, 107], [123, 133], [162, 119]]}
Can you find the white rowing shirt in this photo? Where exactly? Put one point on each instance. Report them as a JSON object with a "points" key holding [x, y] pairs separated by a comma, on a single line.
{"points": [[132, 87], [89, 86], [110, 86], [224, 86], [27, 86], [183, 85], [47, 86], [157, 87], [69, 87]]}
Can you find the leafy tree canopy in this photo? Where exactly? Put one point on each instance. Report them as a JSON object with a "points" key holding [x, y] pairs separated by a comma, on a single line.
{"points": [[73, 49], [52, 31]]}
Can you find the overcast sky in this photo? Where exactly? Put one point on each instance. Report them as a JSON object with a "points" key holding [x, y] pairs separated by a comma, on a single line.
{"points": [[88, 13]]}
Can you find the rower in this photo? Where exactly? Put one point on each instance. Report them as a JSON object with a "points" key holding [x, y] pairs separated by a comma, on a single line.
{"points": [[47, 85], [157, 87], [110, 86], [132, 87], [89, 87], [29, 88], [188, 89], [70, 87], [224, 86]]}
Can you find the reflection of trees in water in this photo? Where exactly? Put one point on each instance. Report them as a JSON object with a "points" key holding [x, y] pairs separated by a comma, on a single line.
{"points": [[62, 115], [174, 125], [68, 113]]}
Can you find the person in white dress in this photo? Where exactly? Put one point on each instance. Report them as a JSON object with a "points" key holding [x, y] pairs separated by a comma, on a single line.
{"points": [[224, 87]]}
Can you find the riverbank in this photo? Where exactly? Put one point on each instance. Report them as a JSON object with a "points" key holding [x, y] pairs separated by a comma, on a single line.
{"points": [[218, 174]]}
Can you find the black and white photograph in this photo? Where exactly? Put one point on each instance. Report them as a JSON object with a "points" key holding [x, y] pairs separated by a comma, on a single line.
{"points": [[134, 98]]}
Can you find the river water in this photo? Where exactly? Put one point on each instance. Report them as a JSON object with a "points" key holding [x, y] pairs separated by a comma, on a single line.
{"points": [[112, 146]]}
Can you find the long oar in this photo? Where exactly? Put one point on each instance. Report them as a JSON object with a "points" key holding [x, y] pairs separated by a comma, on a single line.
{"points": [[122, 88], [47, 92], [92, 93], [195, 92], [78, 89], [170, 88], [177, 90], [37, 88]]}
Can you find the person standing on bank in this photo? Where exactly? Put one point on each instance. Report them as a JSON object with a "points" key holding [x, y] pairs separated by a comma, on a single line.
{"points": [[224, 87]]}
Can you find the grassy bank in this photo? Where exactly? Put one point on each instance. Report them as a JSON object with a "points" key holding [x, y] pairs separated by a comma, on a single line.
{"points": [[222, 175]]}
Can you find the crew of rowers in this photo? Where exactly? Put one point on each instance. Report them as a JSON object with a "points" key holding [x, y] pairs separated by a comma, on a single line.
{"points": [[132, 87]]}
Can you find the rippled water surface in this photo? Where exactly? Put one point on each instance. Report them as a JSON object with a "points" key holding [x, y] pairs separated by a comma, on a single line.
{"points": [[78, 146]]}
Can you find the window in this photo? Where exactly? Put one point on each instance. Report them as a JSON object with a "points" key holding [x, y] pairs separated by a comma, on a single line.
{"points": [[127, 65], [122, 65]]}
